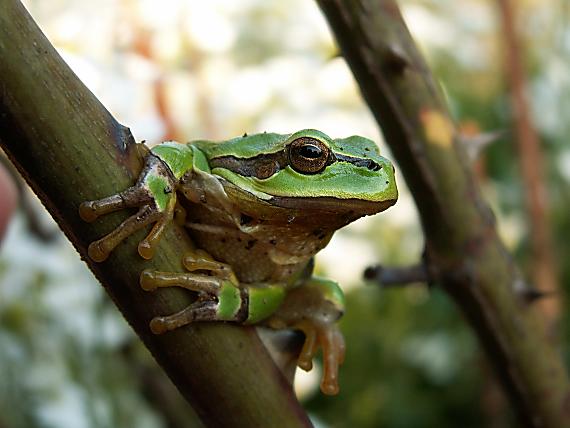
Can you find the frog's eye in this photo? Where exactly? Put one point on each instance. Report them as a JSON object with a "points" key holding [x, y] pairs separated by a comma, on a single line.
{"points": [[308, 155]]}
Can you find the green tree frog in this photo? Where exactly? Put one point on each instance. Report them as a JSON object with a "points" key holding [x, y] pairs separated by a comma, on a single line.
{"points": [[258, 208]]}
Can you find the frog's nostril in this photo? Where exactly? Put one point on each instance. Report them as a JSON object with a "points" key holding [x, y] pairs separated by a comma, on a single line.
{"points": [[374, 166]]}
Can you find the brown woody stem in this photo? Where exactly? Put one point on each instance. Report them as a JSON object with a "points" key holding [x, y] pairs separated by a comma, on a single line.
{"points": [[463, 252]]}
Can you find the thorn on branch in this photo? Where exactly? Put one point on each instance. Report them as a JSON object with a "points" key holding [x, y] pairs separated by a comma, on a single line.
{"points": [[532, 295], [395, 59], [396, 276], [528, 293], [475, 144]]}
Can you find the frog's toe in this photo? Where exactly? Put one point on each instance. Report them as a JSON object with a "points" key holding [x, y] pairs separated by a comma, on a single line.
{"points": [[88, 211], [99, 250], [148, 245], [310, 347], [201, 310], [134, 196], [200, 260], [331, 340], [151, 280]]}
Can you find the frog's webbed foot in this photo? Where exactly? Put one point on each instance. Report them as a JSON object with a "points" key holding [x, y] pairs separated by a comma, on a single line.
{"points": [[155, 196], [314, 308], [219, 297]]}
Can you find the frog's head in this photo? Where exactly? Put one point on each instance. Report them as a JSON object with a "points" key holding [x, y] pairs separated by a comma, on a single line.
{"points": [[308, 171]]}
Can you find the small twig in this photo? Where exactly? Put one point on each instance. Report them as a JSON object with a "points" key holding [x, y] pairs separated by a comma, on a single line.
{"points": [[396, 276], [532, 295]]}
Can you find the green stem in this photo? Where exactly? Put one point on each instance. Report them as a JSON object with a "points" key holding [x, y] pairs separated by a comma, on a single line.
{"points": [[70, 149], [463, 251]]}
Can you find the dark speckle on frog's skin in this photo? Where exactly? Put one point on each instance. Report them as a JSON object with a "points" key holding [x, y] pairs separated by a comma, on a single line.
{"points": [[250, 244], [245, 219], [273, 241], [318, 233]]}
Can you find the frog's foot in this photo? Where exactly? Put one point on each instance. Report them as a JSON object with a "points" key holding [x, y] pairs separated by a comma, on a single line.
{"points": [[331, 340], [314, 308], [219, 297], [155, 196]]}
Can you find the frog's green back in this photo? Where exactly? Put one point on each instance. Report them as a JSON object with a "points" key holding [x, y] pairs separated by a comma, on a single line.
{"points": [[246, 146], [356, 146]]}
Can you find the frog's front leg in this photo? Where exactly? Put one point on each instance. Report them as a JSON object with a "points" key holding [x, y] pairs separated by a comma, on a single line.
{"points": [[314, 308], [220, 296], [155, 196]]}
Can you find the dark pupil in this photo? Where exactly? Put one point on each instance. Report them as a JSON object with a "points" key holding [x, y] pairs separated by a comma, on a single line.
{"points": [[310, 151]]}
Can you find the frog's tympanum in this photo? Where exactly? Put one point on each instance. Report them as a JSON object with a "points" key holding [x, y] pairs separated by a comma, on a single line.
{"points": [[258, 207]]}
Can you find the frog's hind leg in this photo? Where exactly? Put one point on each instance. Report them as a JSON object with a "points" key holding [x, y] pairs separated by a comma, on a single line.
{"points": [[155, 196], [314, 308]]}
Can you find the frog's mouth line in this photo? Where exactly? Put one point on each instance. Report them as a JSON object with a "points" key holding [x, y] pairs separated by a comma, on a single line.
{"points": [[330, 204]]}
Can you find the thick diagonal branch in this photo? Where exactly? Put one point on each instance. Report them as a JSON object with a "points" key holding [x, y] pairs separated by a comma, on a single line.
{"points": [[70, 149], [463, 251]]}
